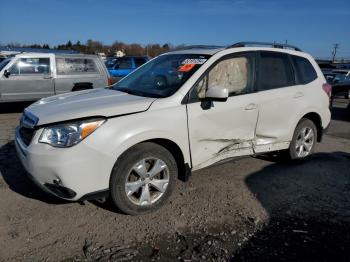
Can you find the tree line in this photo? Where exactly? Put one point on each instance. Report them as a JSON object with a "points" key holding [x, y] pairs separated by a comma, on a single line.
{"points": [[94, 47]]}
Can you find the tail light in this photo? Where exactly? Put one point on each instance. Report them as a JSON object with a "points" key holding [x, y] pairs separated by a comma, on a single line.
{"points": [[110, 81], [327, 88]]}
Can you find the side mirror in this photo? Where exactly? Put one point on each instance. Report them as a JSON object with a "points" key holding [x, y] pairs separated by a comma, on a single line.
{"points": [[217, 93], [7, 73]]}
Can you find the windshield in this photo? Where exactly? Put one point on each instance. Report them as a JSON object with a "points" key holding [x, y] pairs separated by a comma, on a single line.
{"points": [[162, 76], [4, 63], [111, 62]]}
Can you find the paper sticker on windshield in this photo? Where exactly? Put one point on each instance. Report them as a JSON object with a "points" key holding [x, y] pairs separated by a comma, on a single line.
{"points": [[196, 61], [186, 67]]}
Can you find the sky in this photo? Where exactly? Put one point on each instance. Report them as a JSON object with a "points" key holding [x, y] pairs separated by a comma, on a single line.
{"points": [[312, 25]]}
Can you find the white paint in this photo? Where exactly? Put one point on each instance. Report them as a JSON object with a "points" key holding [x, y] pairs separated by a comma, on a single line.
{"points": [[242, 125]]}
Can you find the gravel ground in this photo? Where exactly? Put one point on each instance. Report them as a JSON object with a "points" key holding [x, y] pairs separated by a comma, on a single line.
{"points": [[252, 209]]}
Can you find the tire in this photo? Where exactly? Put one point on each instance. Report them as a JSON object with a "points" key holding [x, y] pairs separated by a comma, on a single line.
{"points": [[302, 146], [141, 196]]}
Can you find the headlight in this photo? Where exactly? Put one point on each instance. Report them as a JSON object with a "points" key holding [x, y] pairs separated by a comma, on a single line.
{"points": [[66, 135]]}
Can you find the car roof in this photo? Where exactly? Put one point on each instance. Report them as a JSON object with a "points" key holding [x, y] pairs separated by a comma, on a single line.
{"points": [[199, 51], [76, 55], [239, 47], [54, 54], [212, 51]]}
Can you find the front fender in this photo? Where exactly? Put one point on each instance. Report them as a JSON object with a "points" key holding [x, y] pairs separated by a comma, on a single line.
{"points": [[119, 134]]}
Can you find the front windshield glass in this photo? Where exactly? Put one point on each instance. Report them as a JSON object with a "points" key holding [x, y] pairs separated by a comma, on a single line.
{"points": [[4, 63], [162, 76]]}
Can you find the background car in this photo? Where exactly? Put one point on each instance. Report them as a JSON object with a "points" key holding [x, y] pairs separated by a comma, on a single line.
{"points": [[341, 85], [31, 76], [120, 67]]}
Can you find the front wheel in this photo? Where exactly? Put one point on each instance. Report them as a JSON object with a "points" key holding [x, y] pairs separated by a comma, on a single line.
{"points": [[304, 139], [143, 179]]}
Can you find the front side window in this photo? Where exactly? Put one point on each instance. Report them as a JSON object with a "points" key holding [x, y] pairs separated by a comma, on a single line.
{"points": [[275, 71], [67, 66], [31, 66], [162, 76], [233, 74]]}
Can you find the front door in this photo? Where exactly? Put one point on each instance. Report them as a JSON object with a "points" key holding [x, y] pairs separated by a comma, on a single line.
{"points": [[220, 130], [29, 79]]}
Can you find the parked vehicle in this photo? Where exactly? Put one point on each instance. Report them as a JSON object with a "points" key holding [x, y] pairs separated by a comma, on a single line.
{"points": [[341, 85], [31, 76], [133, 140], [120, 67]]}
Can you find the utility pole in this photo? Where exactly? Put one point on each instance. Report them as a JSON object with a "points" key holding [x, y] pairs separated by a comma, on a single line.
{"points": [[334, 52]]}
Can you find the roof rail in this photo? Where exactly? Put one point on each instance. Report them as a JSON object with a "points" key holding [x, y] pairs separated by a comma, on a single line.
{"points": [[199, 47], [274, 45]]}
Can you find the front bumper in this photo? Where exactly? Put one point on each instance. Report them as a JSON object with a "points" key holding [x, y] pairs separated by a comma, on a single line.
{"points": [[69, 173]]}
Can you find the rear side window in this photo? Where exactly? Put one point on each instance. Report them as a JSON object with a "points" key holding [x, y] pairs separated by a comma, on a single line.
{"points": [[31, 66], [124, 63], [304, 70], [275, 71], [68, 66]]}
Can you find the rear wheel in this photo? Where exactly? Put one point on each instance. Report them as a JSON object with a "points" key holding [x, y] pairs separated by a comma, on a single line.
{"points": [[304, 139], [143, 179]]}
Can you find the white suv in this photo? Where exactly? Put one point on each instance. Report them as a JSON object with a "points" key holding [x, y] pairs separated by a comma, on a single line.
{"points": [[181, 111]]}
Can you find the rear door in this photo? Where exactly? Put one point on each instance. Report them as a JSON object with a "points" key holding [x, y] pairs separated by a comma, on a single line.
{"points": [[30, 79], [220, 130], [280, 100]]}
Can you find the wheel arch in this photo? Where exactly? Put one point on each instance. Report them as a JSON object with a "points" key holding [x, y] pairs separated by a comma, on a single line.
{"points": [[184, 170], [177, 153], [316, 119]]}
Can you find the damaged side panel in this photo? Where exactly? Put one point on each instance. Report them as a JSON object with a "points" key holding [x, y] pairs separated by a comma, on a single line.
{"points": [[223, 149]]}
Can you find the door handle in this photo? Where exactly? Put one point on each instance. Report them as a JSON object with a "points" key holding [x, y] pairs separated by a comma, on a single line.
{"points": [[298, 94], [251, 106], [47, 77]]}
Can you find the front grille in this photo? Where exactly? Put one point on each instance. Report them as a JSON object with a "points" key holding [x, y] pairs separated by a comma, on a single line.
{"points": [[26, 134]]}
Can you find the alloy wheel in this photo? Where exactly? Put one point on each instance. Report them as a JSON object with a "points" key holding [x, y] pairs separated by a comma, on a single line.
{"points": [[147, 181], [305, 141]]}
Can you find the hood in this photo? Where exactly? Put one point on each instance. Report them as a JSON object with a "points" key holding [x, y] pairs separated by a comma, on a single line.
{"points": [[95, 102]]}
